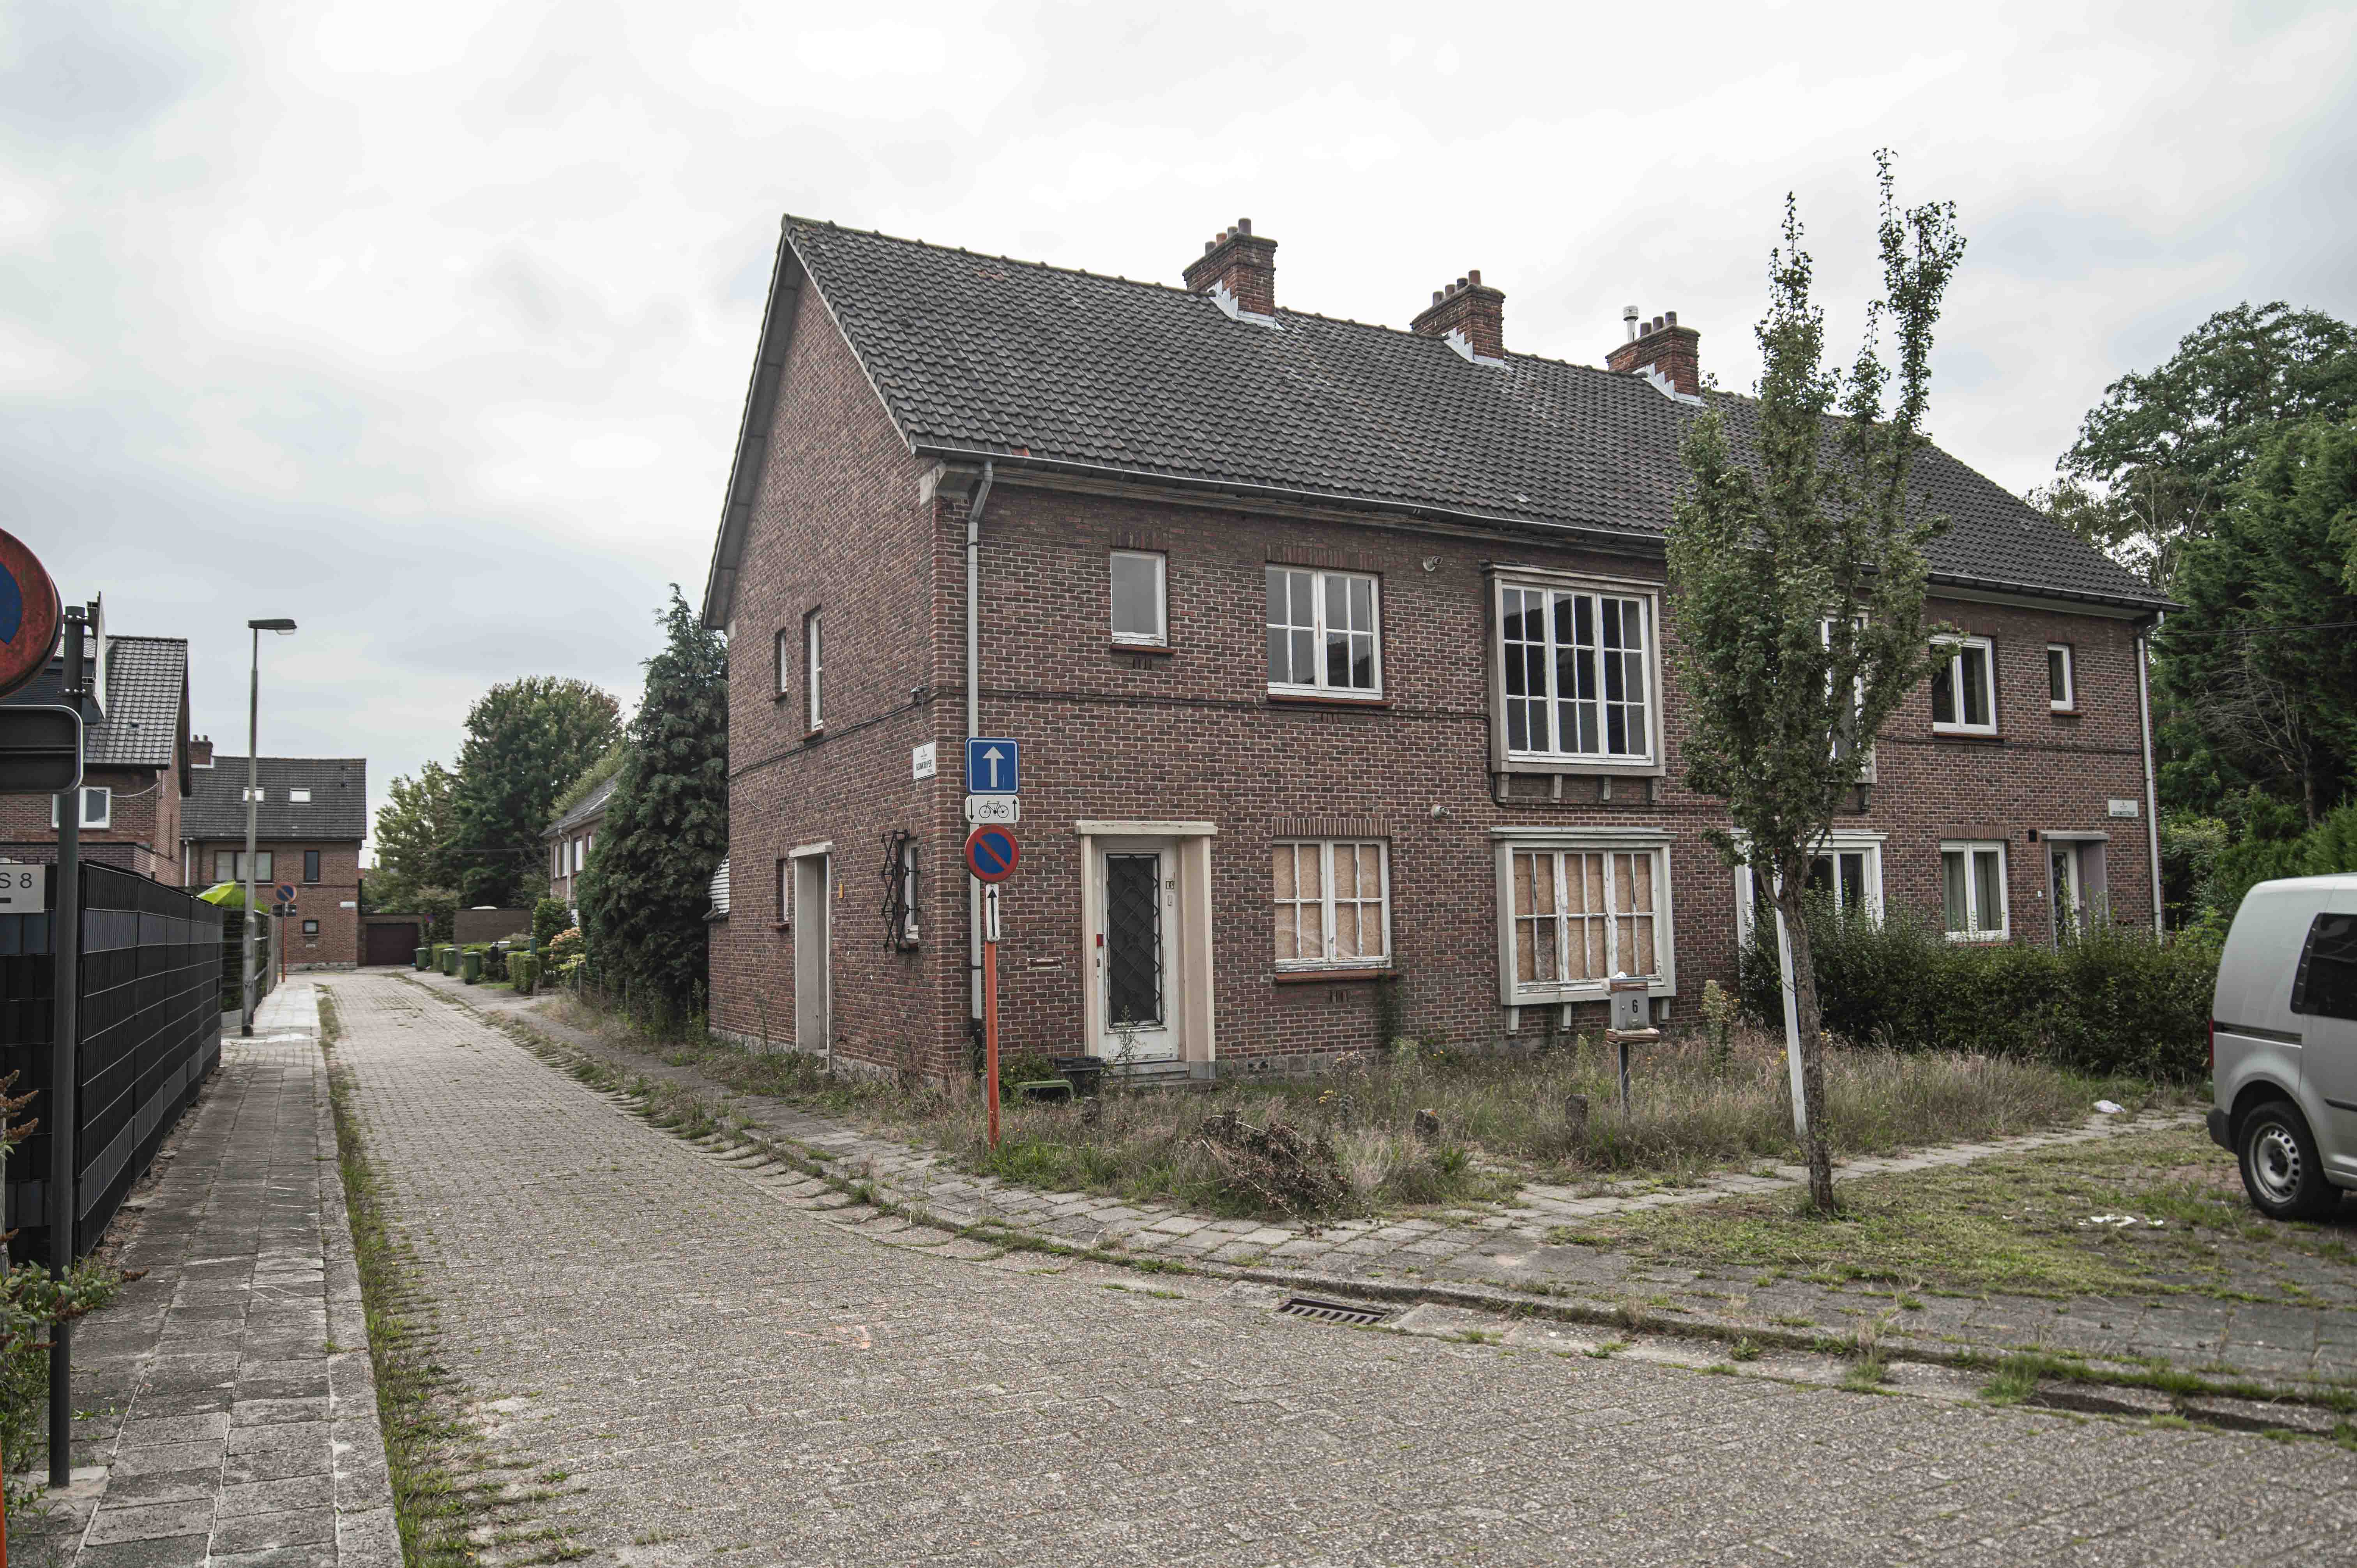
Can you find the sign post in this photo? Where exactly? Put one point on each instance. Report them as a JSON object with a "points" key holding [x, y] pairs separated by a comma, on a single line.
{"points": [[991, 854]]}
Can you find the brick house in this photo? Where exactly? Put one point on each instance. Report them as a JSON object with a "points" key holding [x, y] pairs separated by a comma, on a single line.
{"points": [[134, 756], [309, 821], [1338, 655], [570, 837]]}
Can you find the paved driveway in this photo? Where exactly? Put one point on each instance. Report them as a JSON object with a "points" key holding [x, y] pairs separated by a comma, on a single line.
{"points": [[724, 1378]]}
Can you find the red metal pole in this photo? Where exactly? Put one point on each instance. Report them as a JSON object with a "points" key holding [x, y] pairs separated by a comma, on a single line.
{"points": [[990, 1032]]}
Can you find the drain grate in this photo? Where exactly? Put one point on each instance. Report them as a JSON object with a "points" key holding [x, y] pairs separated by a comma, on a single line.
{"points": [[1322, 1311]]}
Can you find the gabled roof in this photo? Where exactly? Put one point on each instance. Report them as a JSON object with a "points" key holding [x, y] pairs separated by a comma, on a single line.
{"points": [[337, 809], [588, 809], [979, 356], [142, 719]]}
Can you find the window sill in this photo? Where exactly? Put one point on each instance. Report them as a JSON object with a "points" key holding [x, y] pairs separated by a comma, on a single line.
{"points": [[812, 737], [1332, 976], [1984, 737], [1980, 938], [1163, 649], [1307, 699], [2070, 712], [1593, 767]]}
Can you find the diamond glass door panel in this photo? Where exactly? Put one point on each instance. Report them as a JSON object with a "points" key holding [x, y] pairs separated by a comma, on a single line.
{"points": [[1133, 935]]}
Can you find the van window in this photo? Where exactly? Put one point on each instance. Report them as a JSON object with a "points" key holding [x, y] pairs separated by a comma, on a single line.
{"points": [[2326, 985]]}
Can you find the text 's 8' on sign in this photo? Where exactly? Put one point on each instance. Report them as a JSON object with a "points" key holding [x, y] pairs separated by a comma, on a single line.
{"points": [[24, 889], [991, 853]]}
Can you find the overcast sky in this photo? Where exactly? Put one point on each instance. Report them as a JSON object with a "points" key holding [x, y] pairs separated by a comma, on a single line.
{"points": [[429, 325]]}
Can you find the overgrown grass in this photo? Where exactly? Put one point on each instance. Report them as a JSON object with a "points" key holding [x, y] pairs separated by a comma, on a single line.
{"points": [[444, 1483], [1504, 1117], [2145, 1213]]}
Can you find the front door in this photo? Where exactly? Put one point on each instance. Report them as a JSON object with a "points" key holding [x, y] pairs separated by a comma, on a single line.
{"points": [[1138, 950], [2064, 863], [813, 978]]}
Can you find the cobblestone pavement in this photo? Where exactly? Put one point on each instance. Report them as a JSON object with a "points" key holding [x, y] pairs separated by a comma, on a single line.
{"points": [[729, 1364], [1507, 1251], [226, 1413]]}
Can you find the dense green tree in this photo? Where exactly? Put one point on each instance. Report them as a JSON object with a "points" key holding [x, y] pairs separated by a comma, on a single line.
{"points": [[526, 740], [416, 869], [646, 891], [1799, 570], [2258, 673], [2157, 460]]}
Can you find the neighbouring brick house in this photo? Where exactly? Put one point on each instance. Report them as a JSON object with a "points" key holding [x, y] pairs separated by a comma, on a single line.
{"points": [[570, 839], [1337, 653], [310, 817], [135, 772]]}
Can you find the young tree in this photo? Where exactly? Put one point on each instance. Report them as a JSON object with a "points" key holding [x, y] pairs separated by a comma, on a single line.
{"points": [[526, 740], [2157, 460], [644, 893], [1797, 565]]}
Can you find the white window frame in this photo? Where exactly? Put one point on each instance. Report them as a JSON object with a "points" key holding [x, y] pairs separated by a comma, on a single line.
{"points": [[103, 794], [1160, 635], [2068, 703], [311, 927], [785, 891], [1957, 647], [1319, 577], [258, 794], [815, 668], [1325, 901], [1646, 754], [909, 931], [1834, 844], [1856, 704], [556, 860], [785, 661], [300, 797], [1976, 928], [1609, 842]]}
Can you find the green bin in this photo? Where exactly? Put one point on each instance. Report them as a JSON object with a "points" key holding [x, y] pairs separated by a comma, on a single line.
{"points": [[425, 957], [471, 969], [449, 959]]}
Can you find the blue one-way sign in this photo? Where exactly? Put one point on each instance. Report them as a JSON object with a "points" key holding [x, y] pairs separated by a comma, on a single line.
{"points": [[992, 766]]}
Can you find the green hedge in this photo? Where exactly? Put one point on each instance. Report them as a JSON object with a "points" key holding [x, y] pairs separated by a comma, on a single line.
{"points": [[524, 971], [2115, 1000]]}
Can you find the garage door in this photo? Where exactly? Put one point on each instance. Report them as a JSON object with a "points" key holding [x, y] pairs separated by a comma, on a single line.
{"points": [[391, 943]]}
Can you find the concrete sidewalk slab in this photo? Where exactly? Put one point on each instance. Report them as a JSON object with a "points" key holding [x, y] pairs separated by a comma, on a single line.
{"points": [[247, 1325]]}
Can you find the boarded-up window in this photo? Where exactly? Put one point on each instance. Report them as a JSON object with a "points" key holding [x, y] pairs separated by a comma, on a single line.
{"points": [[1581, 916], [1332, 903]]}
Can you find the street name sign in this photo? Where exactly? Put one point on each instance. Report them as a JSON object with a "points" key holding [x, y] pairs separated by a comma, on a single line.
{"points": [[992, 854], [1005, 809], [993, 766], [24, 889]]}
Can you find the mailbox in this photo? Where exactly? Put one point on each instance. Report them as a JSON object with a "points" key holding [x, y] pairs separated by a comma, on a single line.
{"points": [[1631, 1009]]}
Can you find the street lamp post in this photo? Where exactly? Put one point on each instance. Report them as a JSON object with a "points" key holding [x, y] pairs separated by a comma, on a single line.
{"points": [[252, 783]]}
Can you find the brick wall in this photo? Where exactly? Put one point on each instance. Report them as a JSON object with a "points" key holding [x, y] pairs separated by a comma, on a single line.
{"points": [[846, 522], [143, 831], [333, 900]]}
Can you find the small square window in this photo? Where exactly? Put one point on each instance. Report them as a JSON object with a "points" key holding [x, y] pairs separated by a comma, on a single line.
{"points": [[97, 806], [2062, 678], [311, 927], [298, 795], [1963, 686], [1140, 598]]}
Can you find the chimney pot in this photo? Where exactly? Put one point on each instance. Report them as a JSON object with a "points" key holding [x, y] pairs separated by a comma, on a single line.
{"points": [[1674, 318], [1470, 307], [1243, 263], [1660, 345], [1475, 276], [1244, 225]]}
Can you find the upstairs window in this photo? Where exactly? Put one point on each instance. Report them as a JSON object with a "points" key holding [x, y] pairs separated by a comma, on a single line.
{"points": [[1963, 686], [255, 795], [229, 866], [1972, 891], [1578, 672], [813, 669], [97, 806], [1140, 598], [299, 797], [2062, 678], [1322, 634], [310, 866], [785, 654]]}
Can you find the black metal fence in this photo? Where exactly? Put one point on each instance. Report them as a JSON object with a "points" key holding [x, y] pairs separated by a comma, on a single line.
{"points": [[149, 1021], [266, 935]]}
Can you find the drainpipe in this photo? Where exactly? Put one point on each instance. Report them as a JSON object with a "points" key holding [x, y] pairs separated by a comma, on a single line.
{"points": [[974, 715], [2152, 790]]}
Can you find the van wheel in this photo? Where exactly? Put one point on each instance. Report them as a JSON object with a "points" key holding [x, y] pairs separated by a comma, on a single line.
{"points": [[2281, 1168]]}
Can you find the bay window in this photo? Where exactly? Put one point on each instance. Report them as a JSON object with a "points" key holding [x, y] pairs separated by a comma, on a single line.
{"points": [[1577, 672], [1580, 908]]}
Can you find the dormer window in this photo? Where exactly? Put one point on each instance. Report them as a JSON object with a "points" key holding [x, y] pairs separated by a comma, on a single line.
{"points": [[299, 795]]}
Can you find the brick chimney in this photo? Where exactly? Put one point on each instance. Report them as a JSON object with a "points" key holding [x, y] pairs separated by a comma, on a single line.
{"points": [[1662, 346], [1471, 310], [201, 751], [1244, 264]]}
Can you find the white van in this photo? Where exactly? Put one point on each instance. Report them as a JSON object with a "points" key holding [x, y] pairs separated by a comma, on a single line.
{"points": [[2283, 1045]]}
